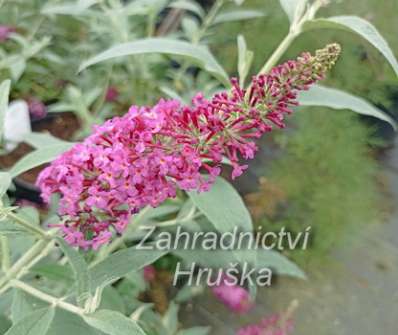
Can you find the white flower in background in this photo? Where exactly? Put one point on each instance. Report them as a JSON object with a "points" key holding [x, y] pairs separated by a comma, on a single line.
{"points": [[16, 123]]}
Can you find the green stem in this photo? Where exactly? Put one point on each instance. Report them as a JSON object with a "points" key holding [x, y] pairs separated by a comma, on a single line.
{"points": [[5, 253], [295, 30], [39, 250], [207, 21], [28, 226], [277, 54], [151, 24], [56, 302]]}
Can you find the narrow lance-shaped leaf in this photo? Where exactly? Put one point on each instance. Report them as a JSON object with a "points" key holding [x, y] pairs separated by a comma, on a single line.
{"points": [[40, 140], [333, 98], [120, 264], [170, 318], [4, 93], [245, 59], [5, 182], [80, 268], [361, 27], [200, 55], [38, 157], [191, 6], [293, 8], [237, 15], [69, 8], [278, 263], [223, 258]]}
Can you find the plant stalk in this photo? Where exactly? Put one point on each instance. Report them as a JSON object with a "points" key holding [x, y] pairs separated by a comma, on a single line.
{"points": [[39, 250], [28, 226], [277, 54], [5, 253], [56, 302], [295, 30]]}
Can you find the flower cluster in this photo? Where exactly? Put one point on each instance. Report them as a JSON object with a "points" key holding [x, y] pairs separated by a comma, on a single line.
{"points": [[273, 325], [143, 157], [235, 297]]}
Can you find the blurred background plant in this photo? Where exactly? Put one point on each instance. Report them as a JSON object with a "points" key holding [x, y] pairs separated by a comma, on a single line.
{"points": [[324, 177]]}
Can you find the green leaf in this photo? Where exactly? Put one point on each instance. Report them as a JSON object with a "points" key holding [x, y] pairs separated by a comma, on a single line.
{"points": [[5, 182], [199, 55], [30, 214], [120, 264], [225, 209], [54, 272], [40, 140], [223, 206], [190, 27], [38, 157], [293, 8], [60, 107], [27, 213], [5, 324], [111, 299], [239, 2], [237, 15], [188, 292], [8, 227], [223, 258], [245, 59], [113, 323], [361, 27], [36, 323], [278, 263], [66, 323], [190, 6], [170, 318], [4, 93], [195, 331], [333, 98], [17, 67], [78, 8], [6, 301], [208, 258], [171, 93], [23, 305], [80, 268]]}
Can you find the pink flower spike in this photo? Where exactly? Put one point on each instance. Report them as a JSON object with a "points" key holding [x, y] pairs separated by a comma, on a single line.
{"points": [[143, 157]]}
